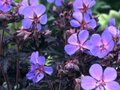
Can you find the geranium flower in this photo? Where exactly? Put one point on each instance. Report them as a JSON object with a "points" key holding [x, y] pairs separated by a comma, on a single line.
{"points": [[5, 5], [77, 42], [38, 69], [84, 6], [57, 2], [101, 45], [100, 80], [34, 16], [83, 21]]}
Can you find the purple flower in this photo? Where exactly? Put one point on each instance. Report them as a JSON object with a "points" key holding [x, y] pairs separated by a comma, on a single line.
{"points": [[101, 45], [5, 5], [83, 21], [34, 16], [100, 80], [25, 4], [57, 2], [76, 42], [38, 69], [84, 6]]}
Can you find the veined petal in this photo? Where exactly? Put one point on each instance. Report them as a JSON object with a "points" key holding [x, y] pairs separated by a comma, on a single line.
{"points": [[92, 24], [74, 23], [88, 83], [92, 3], [78, 4], [38, 77], [96, 71], [106, 37], [39, 10], [112, 86], [78, 16], [43, 19], [34, 2], [41, 60], [71, 49], [50, 1], [28, 12], [34, 57], [110, 74], [73, 39], [83, 36], [95, 39], [26, 23], [48, 70]]}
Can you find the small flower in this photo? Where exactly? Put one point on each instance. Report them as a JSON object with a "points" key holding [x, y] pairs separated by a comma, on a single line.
{"points": [[38, 69], [57, 2], [101, 45], [5, 5], [83, 21], [100, 80], [84, 6], [76, 42], [34, 16], [25, 4]]}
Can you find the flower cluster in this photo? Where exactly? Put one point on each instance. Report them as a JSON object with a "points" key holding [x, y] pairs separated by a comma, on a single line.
{"points": [[100, 80], [37, 68], [82, 15]]}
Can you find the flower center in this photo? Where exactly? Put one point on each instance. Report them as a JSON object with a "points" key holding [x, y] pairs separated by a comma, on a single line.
{"points": [[40, 69], [84, 9], [100, 84]]}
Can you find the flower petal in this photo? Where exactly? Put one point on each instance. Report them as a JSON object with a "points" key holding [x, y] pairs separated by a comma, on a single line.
{"points": [[43, 19], [86, 18], [71, 49], [41, 60], [26, 23], [38, 77], [30, 75], [58, 2], [73, 39], [83, 36], [95, 39], [96, 71], [106, 37], [28, 12], [78, 16], [113, 30], [92, 3], [112, 86], [39, 9], [50, 1], [34, 2], [74, 23], [48, 70], [88, 83], [34, 57], [77, 4], [110, 74], [92, 24]]}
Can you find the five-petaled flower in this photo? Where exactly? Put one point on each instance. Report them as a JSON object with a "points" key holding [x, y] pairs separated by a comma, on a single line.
{"points": [[101, 45], [5, 5], [83, 21], [84, 6], [34, 16], [38, 69], [100, 80], [57, 2], [77, 42]]}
